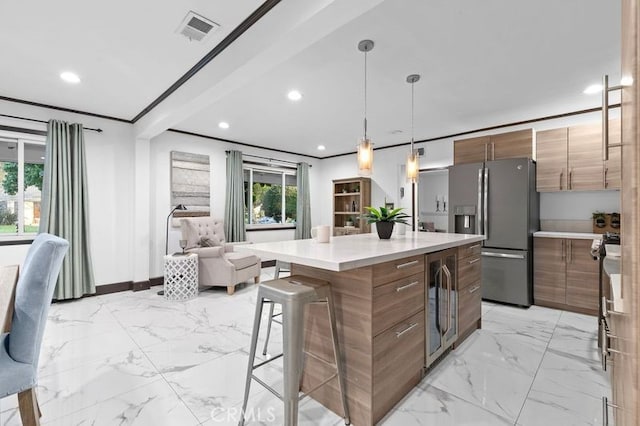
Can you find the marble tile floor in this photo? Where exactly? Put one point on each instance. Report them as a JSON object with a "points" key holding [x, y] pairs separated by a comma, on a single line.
{"points": [[136, 359]]}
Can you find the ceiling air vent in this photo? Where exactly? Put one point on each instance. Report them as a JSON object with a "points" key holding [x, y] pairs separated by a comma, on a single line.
{"points": [[196, 27]]}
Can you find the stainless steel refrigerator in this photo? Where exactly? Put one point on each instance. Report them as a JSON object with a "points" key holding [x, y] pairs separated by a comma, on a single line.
{"points": [[499, 199]]}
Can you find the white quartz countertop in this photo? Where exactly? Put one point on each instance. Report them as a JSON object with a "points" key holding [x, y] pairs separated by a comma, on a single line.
{"points": [[574, 235], [355, 251]]}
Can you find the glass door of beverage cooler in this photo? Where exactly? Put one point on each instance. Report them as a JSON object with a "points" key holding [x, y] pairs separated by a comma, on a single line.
{"points": [[450, 289], [433, 308], [441, 304]]}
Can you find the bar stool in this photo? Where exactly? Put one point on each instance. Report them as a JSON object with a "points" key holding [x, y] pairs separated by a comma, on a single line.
{"points": [[280, 267], [293, 294]]}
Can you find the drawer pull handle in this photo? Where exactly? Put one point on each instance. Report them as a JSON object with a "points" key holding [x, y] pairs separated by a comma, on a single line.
{"points": [[473, 290], [404, 287], [471, 262], [404, 265], [605, 410], [409, 328], [605, 312]]}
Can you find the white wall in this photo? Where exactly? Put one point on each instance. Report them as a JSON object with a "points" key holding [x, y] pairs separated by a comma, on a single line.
{"points": [[161, 148], [109, 174], [578, 205]]}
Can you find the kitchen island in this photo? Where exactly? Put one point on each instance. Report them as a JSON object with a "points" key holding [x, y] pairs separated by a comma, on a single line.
{"points": [[379, 292]]}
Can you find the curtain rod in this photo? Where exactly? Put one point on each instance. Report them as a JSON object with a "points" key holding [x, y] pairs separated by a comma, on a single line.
{"points": [[270, 159], [45, 122]]}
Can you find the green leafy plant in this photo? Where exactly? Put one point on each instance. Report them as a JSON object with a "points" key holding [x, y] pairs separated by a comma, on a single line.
{"points": [[383, 214]]}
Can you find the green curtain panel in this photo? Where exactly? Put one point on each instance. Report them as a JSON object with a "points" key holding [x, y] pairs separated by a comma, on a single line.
{"points": [[303, 207], [234, 228], [65, 206]]}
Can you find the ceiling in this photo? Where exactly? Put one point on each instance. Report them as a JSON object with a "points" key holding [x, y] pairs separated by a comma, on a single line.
{"points": [[482, 64]]}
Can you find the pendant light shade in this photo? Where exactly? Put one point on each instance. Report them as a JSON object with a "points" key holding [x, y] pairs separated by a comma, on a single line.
{"points": [[365, 147], [413, 162], [365, 157], [413, 167]]}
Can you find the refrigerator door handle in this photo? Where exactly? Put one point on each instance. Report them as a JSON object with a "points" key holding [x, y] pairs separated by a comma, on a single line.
{"points": [[479, 211], [486, 203], [503, 255]]}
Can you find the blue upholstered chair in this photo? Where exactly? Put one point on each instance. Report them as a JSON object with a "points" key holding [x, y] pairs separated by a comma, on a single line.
{"points": [[20, 348]]}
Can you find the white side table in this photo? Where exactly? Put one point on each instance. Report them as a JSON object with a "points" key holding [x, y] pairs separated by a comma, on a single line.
{"points": [[180, 276]]}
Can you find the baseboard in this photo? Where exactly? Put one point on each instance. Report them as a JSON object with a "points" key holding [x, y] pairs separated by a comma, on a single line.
{"points": [[156, 281], [127, 286], [562, 306], [141, 285], [113, 288]]}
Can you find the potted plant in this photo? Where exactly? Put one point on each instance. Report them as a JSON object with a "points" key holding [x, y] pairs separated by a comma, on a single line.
{"points": [[599, 219], [385, 219], [350, 221], [615, 220]]}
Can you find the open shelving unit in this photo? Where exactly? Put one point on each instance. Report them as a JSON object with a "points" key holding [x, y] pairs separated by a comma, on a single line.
{"points": [[350, 196]]}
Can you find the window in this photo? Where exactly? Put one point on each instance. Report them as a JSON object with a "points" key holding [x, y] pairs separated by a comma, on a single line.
{"points": [[21, 172], [266, 203]]}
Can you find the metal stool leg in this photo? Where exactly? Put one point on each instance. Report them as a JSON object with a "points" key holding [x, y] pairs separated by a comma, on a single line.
{"points": [[337, 356], [292, 317], [252, 355], [276, 275], [266, 341]]}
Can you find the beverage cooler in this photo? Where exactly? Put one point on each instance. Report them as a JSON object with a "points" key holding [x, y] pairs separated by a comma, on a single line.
{"points": [[441, 304]]}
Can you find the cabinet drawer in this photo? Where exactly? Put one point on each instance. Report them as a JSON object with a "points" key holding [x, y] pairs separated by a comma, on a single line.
{"points": [[469, 250], [396, 300], [469, 270], [470, 309], [398, 358], [397, 269]]}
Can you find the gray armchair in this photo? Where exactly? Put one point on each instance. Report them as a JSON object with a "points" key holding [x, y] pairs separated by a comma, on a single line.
{"points": [[218, 265], [20, 348]]}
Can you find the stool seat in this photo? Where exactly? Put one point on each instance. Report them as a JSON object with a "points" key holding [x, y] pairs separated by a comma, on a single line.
{"points": [[293, 294], [289, 289]]}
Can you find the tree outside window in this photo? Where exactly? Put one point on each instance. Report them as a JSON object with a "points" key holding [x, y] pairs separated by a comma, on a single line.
{"points": [[264, 199], [20, 206]]}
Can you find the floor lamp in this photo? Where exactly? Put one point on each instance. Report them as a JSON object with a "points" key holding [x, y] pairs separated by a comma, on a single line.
{"points": [[166, 245], [178, 207]]}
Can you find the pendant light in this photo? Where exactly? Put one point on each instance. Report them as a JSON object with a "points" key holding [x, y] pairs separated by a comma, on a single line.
{"points": [[365, 147], [413, 164]]}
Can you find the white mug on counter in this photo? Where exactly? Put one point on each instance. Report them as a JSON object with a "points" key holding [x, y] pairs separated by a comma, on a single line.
{"points": [[321, 233]]}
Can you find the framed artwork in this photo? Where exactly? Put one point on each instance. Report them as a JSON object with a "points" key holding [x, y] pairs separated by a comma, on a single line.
{"points": [[389, 206], [190, 177]]}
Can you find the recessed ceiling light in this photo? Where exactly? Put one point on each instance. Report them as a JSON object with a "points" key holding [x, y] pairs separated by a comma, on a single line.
{"points": [[321, 147], [593, 89], [626, 80], [223, 125], [42, 158], [70, 77], [294, 95]]}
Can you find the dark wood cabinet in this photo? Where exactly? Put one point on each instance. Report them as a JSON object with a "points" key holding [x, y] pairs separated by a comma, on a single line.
{"points": [[565, 274], [570, 158], [469, 265], [517, 144]]}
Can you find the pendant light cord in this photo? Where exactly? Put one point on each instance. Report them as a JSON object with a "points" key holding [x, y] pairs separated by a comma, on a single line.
{"points": [[365, 94], [412, 84]]}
